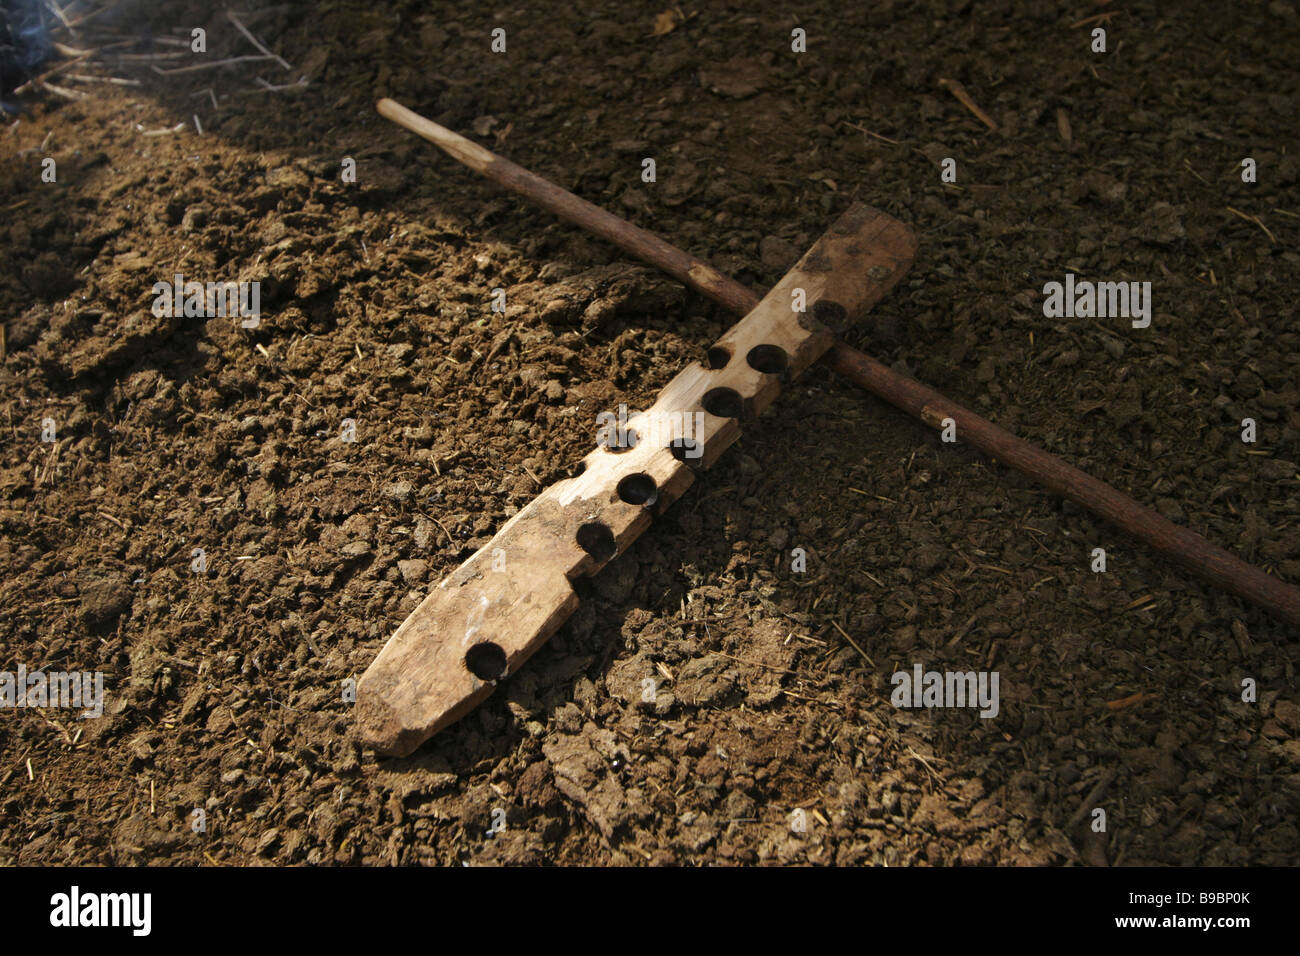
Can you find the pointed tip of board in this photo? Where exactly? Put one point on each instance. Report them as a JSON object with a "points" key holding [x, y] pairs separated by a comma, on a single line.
{"points": [[381, 728]]}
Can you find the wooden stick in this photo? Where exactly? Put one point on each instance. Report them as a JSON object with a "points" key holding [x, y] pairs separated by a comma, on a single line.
{"points": [[646, 246], [1182, 546], [210, 65], [959, 91], [255, 41], [493, 612]]}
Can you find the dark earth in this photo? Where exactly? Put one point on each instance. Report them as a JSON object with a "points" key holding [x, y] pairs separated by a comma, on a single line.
{"points": [[1120, 690]]}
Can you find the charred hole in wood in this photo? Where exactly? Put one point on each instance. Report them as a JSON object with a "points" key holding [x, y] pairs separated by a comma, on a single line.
{"points": [[723, 402], [597, 540], [486, 661], [624, 441], [577, 470], [768, 359], [810, 324], [689, 451], [830, 314], [717, 357], [639, 489]]}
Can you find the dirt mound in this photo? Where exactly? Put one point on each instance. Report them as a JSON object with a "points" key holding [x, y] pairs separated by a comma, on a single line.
{"points": [[229, 521]]}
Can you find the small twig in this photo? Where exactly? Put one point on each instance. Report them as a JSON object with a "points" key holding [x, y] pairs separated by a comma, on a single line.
{"points": [[1063, 127], [832, 704], [36, 81], [1139, 603], [970, 622], [117, 80], [91, 14], [1188, 167], [208, 66], [938, 780], [771, 667], [161, 132], [450, 540], [1255, 220], [1095, 18], [149, 57], [64, 92], [269, 88], [1130, 701], [170, 41], [211, 95], [58, 12], [1091, 799], [963, 97], [255, 41], [863, 129], [854, 643], [133, 39]]}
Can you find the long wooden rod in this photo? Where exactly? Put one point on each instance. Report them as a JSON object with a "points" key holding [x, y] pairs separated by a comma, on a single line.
{"points": [[1179, 544]]}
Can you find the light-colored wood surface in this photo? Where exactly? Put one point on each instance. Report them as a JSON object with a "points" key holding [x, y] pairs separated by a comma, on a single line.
{"points": [[509, 597]]}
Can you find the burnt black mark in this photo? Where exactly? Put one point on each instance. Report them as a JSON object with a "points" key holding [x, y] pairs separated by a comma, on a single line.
{"points": [[830, 312]]}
